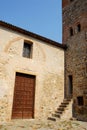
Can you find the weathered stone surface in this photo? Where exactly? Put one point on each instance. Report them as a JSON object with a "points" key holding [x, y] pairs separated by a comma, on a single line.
{"points": [[47, 63], [75, 13], [44, 125]]}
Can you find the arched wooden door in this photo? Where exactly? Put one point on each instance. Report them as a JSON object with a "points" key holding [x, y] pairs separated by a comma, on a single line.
{"points": [[24, 95]]}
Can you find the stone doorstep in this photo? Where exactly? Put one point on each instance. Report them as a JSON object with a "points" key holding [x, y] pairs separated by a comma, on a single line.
{"points": [[60, 109], [63, 105], [56, 115], [65, 102], [51, 118], [60, 112]]}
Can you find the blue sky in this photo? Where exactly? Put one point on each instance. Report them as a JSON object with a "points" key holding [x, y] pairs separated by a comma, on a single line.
{"points": [[43, 17]]}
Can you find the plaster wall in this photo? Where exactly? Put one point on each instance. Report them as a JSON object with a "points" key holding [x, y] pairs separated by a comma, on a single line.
{"points": [[47, 64]]}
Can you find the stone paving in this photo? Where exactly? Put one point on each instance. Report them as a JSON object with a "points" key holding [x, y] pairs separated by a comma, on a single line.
{"points": [[44, 125]]}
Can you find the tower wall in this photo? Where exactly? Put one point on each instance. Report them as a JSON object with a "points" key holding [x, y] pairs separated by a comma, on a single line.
{"points": [[75, 37]]}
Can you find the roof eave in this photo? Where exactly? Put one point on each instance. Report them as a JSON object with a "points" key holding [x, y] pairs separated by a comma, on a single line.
{"points": [[33, 35]]}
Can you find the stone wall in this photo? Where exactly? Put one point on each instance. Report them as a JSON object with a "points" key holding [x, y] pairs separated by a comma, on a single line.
{"points": [[75, 13], [47, 64]]}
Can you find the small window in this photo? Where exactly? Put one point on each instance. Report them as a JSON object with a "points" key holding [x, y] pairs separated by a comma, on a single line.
{"points": [[70, 78], [71, 0], [80, 101], [78, 27], [71, 31], [27, 50], [86, 67], [86, 35]]}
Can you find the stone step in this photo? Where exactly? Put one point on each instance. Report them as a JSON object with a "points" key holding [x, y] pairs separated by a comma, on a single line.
{"points": [[56, 115], [61, 108], [63, 105], [59, 112], [51, 118], [66, 100]]}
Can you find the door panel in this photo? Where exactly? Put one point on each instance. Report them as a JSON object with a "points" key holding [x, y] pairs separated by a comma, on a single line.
{"points": [[24, 93]]}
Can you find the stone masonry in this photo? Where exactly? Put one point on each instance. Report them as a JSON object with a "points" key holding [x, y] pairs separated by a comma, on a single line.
{"points": [[47, 64], [75, 18]]}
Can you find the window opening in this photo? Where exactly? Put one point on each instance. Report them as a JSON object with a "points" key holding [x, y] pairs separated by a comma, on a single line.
{"points": [[71, 0], [78, 27], [70, 84], [86, 35], [71, 31], [86, 67], [80, 100], [27, 50]]}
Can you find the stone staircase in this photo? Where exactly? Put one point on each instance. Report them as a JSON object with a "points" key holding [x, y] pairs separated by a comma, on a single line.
{"points": [[62, 110]]}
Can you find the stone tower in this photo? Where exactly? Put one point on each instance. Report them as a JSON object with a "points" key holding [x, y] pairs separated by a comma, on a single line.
{"points": [[75, 37]]}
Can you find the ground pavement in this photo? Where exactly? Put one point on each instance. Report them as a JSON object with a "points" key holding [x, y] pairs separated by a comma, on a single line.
{"points": [[44, 125]]}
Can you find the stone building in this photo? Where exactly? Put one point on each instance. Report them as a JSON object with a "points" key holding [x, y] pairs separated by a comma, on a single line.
{"points": [[75, 37], [38, 76], [31, 74]]}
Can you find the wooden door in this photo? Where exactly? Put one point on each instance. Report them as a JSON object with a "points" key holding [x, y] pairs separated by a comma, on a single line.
{"points": [[24, 94]]}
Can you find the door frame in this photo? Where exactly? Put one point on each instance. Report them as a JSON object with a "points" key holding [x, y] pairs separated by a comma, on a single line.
{"points": [[33, 92]]}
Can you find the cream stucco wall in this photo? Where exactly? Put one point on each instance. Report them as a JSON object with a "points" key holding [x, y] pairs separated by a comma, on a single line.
{"points": [[47, 64]]}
